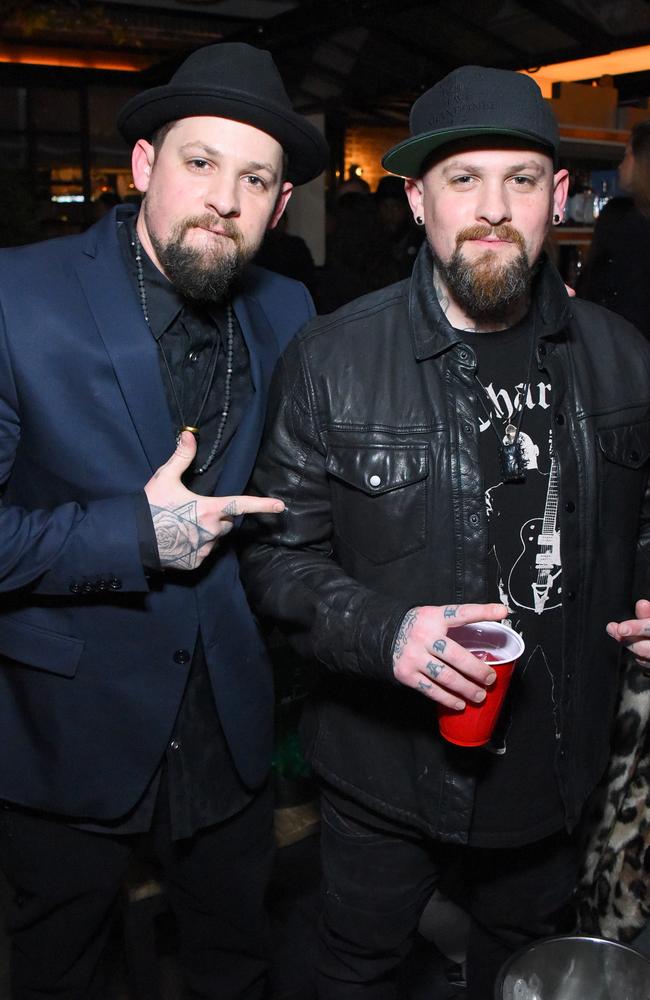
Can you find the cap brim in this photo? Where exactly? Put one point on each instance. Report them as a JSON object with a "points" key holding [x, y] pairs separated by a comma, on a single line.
{"points": [[305, 146], [406, 158]]}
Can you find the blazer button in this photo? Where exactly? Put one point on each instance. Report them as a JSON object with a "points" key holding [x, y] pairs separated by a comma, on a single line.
{"points": [[75, 588], [88, 588], [114, 583], [181, 656]]}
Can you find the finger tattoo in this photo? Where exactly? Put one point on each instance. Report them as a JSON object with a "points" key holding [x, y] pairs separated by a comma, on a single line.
{"points": [[439, 646], [424, 686], [434, 669], [230, 510], [450, 612]]}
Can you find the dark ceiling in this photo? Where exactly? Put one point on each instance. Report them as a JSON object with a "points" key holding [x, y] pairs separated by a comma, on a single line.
{"points": [[364, 60]]}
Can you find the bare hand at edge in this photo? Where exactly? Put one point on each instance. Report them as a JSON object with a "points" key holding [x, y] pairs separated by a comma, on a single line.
{"points": [[635, 633]]}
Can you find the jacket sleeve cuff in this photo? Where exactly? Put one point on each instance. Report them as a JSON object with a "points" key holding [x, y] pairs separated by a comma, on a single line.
{"points": [[361, 639], [147, 541], [103, 544]]}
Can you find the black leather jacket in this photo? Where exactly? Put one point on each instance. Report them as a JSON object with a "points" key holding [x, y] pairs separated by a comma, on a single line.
{"points": [[373, 444]]}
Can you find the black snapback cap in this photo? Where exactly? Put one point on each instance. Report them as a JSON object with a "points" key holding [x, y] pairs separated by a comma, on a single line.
{"points": [[470, 103]]}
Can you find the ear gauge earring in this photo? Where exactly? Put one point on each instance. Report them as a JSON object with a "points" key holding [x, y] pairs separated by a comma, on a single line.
{"points": [[557, 218], [419, 220]]}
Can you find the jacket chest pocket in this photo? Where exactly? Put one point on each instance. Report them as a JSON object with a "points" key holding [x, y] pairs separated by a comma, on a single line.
{"points": [[379, 498], [622, 476]]}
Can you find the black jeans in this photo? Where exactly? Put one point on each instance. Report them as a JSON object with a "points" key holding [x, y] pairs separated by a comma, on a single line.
{"points": [[66, 882], [377, 884]]}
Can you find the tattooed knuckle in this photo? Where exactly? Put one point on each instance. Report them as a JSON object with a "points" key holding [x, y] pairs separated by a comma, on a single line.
{"points": [[434, 669]]}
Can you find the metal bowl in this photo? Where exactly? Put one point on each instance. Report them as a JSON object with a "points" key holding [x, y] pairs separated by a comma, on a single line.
{"points": [[574, 968]]}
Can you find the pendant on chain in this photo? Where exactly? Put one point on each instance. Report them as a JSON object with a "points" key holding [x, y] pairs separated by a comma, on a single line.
{"points": [[512, 459], [198, 470]]}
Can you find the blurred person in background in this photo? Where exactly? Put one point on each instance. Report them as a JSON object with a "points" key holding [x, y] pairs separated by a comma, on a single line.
{"points": [[351, 235], [398, 236], [617, 270], [288, 254]]}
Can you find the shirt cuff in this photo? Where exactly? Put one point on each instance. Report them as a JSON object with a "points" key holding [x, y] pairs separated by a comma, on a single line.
{"points": [[147, 541]]}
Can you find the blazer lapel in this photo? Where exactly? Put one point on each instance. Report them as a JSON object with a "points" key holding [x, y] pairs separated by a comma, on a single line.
{"points": [[128, 341]]}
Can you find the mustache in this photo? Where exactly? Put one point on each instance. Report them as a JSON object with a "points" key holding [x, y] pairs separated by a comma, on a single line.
{"points": [[209, 221], [480, 232]]}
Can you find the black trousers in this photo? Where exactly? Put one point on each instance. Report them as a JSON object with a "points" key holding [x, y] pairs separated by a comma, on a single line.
{"points": [[377, 884], [66, 883]]}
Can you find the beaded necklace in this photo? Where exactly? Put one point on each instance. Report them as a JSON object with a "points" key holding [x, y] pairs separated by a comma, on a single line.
{"points": [[193, 428]]}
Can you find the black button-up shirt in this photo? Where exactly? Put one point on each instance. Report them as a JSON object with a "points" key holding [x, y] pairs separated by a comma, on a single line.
{"points": [[196, 772]]}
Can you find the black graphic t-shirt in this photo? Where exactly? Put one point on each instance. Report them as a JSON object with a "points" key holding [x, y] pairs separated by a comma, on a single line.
{"points": [[517, 796]]}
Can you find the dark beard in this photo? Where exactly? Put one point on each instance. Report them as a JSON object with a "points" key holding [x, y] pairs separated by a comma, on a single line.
{"points": [[486, 290], [201, 275]]}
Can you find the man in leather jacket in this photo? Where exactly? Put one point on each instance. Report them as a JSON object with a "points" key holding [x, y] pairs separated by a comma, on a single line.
{"points": [[468, 444]]}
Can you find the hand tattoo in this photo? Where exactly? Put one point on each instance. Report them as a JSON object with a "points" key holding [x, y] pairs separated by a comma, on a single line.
{"points": [[179, 535], [401, 638], [439, 646], [450, 612], [434, 669]]}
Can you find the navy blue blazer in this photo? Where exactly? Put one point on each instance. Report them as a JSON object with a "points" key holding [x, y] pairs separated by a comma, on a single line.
{"points": [[92, 652]]}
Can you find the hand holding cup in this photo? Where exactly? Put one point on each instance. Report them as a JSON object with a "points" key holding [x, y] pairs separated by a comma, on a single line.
{"points": [[501, 647], [426, 657]]}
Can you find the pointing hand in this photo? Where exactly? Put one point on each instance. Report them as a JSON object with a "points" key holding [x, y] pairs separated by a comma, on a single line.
{"points": [[187, 525]]}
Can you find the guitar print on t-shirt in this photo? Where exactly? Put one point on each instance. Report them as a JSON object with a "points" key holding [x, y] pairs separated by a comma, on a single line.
{"points": [[523, 517]]}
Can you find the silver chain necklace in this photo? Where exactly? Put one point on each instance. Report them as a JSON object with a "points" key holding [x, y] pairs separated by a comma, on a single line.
{"points": [[227, 392], [511, 456]]}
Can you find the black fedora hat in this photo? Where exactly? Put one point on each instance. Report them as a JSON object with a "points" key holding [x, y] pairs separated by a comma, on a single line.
{"points": [[475, 102], [230, 80]]}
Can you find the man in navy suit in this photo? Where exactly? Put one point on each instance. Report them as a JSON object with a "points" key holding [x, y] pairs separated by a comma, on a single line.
{"points": [[135, 695]]}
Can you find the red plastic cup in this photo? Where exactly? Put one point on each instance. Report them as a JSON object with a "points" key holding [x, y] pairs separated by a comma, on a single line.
{"points": [[499, 646]]}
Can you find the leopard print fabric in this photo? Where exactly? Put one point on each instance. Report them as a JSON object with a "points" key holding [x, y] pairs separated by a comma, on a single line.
{"points": [[614, 889]]}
